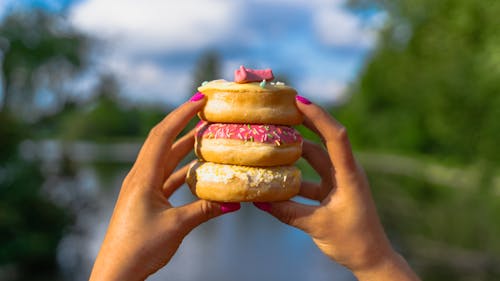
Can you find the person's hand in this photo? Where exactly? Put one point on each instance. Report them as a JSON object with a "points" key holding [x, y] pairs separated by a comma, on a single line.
{"points": [[145, 229], [345, 225]]}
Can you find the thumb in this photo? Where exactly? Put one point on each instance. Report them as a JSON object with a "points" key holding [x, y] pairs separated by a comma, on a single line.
{"points": [[289, 212], [195, 213]]}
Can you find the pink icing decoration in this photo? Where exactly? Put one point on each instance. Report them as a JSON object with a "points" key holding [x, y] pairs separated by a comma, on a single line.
{"points": [[249, 132], [247, 75]]}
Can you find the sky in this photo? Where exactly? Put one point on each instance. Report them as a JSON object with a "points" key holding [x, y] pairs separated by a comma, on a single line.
{"points": [[152, 46]]}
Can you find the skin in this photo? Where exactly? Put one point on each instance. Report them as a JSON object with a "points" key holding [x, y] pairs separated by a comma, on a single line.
{"points": [[345, 226], [145, 230]]}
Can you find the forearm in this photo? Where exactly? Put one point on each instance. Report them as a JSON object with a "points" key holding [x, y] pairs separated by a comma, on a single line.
{"points": [[117, 262], [392, 268]]}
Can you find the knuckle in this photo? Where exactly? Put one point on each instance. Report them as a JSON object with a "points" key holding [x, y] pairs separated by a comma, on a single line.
{"points": [[175, 216], [159, 130], [287, 216], [339, 135], [154, 131], [342, 134], [207, 209]]}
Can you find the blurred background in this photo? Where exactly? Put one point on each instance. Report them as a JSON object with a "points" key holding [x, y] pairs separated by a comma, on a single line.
{"points": [[416, 83]]}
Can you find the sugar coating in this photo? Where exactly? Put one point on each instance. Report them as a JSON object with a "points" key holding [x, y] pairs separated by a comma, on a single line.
{"points": [[224, 85], [212, 172], [272, 134]]}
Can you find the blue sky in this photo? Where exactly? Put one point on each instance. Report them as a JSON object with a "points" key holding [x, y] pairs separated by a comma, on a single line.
{"points": [[151, 46]]}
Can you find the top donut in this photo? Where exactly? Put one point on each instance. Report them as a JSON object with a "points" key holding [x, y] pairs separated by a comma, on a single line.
{"points": [[252, 99]]}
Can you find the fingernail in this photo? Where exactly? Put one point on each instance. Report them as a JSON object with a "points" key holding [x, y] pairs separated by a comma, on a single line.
{"points": [[229, 207], [303, 100], [198, 96], [264, 206]]}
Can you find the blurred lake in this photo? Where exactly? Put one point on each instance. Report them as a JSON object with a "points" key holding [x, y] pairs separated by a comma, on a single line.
{"points": [[245, 245]]}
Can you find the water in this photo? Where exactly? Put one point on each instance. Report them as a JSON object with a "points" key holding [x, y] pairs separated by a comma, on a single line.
{"points": [[246, 245]]}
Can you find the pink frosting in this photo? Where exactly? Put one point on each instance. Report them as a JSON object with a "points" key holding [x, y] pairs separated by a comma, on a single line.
{"points": [[247, 75], [249, 132]]}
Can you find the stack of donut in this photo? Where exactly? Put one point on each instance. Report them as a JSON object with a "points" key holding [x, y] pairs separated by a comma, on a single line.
{"points": [[245, 143]]}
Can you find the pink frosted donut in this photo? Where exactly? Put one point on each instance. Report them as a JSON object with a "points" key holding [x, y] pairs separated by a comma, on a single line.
{"points": [[257, 145]]}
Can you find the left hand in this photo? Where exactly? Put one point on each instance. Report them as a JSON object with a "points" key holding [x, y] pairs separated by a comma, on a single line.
{"points": [[145, 229]]}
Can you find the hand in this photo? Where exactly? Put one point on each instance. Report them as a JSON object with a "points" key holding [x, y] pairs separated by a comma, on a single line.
{"points": [[145, 230], [345, 226]]}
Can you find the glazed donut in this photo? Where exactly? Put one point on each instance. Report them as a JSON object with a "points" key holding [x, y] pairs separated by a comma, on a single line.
{"points": [[253, 102], [247, 144], [232, 183]]}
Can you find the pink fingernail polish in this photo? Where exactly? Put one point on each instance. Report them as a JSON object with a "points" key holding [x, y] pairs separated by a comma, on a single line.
{"points": [[229, 207], [303, 100], [196, 97], [264, 206]]}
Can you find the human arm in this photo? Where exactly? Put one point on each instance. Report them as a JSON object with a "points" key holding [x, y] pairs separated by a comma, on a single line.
{"points": [[145, 230], [345, 225]]}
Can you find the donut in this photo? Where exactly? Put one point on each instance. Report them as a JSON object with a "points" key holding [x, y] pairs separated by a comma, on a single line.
{"points": [[247, 144], [252, 102], [233, 183]]}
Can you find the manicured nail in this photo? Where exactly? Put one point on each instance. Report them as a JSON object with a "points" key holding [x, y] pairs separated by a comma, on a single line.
{"points": [[264, 206], [229, 207], [198, 96], [303, 100]]}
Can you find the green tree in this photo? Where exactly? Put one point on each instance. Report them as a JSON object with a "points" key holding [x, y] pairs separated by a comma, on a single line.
{"points": [[104, 118], [432, 82], [30, 224], [426, 107], [207, 68], [39, 53]]}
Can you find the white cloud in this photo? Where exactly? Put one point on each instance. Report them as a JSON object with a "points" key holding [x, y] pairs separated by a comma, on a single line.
{"points": [[305, 3], [7, 6], [138, 32], [156, 25], [327, 92], [334, 25], [3, 7], [146, 81], [339, 27]]}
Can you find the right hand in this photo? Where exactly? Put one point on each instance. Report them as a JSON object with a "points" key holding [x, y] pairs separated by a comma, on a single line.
{"points": [[345, 226]]}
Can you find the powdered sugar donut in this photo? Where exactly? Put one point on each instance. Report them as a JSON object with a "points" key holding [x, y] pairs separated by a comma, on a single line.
{"points": [[232, 183], [248, 144]]}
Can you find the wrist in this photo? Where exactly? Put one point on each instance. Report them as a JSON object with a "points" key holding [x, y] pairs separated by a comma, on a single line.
{"points": [[116, 263], [391, 266]]}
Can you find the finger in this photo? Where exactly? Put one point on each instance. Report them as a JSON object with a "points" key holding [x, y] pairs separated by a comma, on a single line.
{"points": [[314, 191], [334, 134], [198, 212], [289, 212], [167, 130], [175, 180], [318, 158], [179, 150], [310, 125], [154, 153]]}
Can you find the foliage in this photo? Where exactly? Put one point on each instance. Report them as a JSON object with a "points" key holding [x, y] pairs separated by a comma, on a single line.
{"points": [[432, 83], [104, 118], [38, 52], [207, 68], [430, 91], [30, 224]]}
